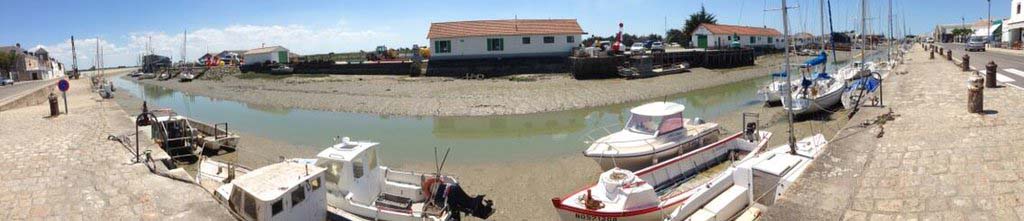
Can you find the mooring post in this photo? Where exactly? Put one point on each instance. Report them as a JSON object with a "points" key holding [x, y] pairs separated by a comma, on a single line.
{"points": [[965, 65], [975, 93], [990, 74], [949, 55], [931, 55]]}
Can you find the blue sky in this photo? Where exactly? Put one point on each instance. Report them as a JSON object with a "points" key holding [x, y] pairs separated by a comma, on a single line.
{"points": [[316, 26]]}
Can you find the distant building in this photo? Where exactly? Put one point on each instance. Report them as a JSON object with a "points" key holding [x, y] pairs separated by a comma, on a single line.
{"points": [[152, 63], [37, 65], [720, 36], [803, 38], [504, 38], [231, 57], [273, 54], [1013, 28]]}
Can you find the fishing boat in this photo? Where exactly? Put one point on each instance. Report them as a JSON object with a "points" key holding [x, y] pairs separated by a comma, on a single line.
{"points": [[186, 75], [281, 69], [654, 192], [288, 190], [359, 188], [752, 184], [654, 132], [176, 131], [643, 67]]}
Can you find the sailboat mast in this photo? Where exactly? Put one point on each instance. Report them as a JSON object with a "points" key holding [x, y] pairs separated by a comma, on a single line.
{"points": [[863, 33], [891, 35], [789, 82], [74, 57], [821, 21]]}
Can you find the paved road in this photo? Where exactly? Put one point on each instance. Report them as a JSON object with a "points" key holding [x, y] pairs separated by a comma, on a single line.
{"points": [[1011, 67], [19, 88]]}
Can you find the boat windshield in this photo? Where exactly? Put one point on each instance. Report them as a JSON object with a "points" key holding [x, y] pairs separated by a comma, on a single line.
{"points": [[655, 124]]}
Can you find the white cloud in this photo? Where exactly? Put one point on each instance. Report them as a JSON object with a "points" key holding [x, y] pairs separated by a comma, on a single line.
{"points": [[298, 38]]}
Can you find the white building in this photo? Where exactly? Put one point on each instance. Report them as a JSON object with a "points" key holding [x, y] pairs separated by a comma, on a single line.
{"points": [[1012, 28], [274, 54], [720, 36], [504, 38]]}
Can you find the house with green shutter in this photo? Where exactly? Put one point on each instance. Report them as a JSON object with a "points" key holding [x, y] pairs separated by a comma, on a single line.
{"points": [[512, 38], [274, 54], [722, 36]]}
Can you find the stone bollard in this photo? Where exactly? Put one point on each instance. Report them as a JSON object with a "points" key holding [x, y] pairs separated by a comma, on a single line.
{"points": [[949, 55], [990, 74], [975, 95], [931, 55], [965, 65], [54, 106]]}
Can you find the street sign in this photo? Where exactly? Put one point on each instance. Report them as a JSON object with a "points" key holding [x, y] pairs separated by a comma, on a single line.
{"points": [[63, 85]]}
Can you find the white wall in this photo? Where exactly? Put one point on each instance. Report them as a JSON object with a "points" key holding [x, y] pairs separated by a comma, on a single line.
{"points": [[476, 47], [260, 58], [723, 40]]}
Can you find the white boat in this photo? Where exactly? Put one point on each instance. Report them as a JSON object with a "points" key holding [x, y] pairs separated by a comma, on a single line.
{"points": [[653, 192], [751, 185], [814, 93], [287, 190], [858, 91], [655, 132], [186, 76], [359, 188], [773, 92]]}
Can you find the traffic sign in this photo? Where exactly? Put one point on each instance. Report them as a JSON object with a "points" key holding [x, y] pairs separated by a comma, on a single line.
{"points": [[63, 85]]}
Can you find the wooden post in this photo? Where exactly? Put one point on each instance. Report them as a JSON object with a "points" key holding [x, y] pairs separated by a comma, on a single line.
{"points": [[949, 55], [965, 64], [975, 94], [990, 74], [931, 55]]}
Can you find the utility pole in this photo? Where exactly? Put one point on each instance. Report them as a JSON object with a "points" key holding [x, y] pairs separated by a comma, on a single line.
{"points": [[863, 32], [989, 22]]}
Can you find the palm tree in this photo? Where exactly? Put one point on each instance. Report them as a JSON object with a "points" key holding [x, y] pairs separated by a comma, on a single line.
{"points": [[695, 20]]}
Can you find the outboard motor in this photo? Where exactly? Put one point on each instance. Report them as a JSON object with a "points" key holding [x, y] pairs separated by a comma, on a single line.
{"points": [[458, 201], [750, 131]]}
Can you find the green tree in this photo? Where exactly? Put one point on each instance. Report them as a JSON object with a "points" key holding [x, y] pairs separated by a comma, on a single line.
{"points": [[695, 20], [674, 36], [963, 32], [7, 59]]}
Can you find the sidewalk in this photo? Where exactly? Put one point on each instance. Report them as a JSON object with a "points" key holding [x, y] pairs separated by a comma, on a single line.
{"points": [[64, 168], [934, 162]]}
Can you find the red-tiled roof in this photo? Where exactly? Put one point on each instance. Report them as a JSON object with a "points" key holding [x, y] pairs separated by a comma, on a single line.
{"points": [[504, 28], [739, 30]]}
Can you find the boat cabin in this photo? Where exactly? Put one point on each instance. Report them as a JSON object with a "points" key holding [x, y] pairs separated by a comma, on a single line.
{"points": [[656, 119], [282, 191]]}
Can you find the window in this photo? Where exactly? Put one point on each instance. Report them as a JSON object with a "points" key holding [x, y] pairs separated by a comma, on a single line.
{"points": [[250, 206], [643, 124], [315, 183], [1018, 8], [236, 199], [442, 46], [671, 123], [549, 39], [526, 40], [769, 39], [276, 208], [753, 39], [298, 195], [357, 167], [569, 39], [495, 44], [333, 169]]}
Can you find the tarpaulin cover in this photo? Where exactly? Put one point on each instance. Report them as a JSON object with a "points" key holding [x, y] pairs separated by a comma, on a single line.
{"points": [[821, 58]]}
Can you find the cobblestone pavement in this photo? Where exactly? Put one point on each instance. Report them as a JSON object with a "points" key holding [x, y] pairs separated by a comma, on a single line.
{"points": [[934, 162], [64, 168]]}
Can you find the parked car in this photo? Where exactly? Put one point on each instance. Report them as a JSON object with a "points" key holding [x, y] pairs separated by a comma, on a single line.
{"points": [[637, 47], [931, 40], [5, 81], [976, 43], [657, 47]]}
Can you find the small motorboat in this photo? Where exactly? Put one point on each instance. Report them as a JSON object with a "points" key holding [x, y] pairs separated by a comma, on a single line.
{"points": [[859, 90], [751, 185], [655, 132], [281, 69], [186, 75], [643, 67], [176, 131], [655, 191], [773, 92], [359, 188], [289, 190]]}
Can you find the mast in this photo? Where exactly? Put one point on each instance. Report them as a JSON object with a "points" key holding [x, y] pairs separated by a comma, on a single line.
{"points": [[789, 83], [821, 12], [831, 30], [863, 34], [891, 35]]}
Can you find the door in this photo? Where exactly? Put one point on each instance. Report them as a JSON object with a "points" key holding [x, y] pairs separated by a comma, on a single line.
{"points": [[702, 41], [282, 57]]}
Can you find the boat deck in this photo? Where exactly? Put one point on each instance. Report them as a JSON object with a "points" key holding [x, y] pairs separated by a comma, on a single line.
{"points": [[687, 183]]}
